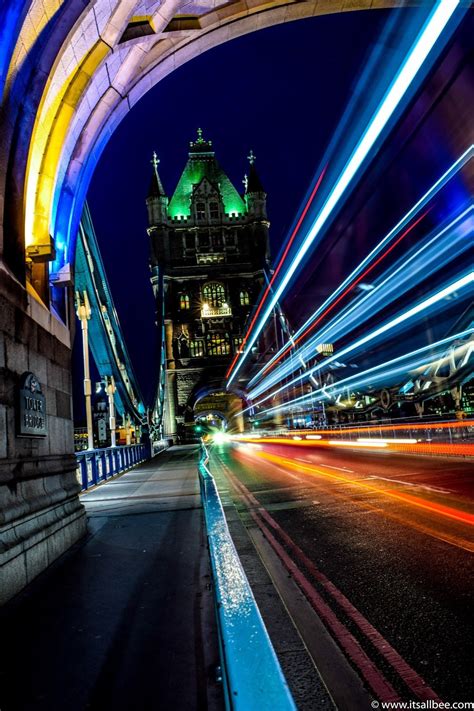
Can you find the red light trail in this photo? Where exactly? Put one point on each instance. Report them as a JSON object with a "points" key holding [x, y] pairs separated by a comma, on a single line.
{"points": [[280, 263]]}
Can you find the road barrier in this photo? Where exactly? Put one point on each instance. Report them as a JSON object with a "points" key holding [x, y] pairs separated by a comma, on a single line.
{"points": [[97, 465], [251, 673]]}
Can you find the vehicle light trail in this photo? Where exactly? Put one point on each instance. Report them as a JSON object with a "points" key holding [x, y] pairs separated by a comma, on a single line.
{"points": [[420, 204], [402, 364], [404, 317], [347, 290], [429, 35], [431, 506], [431, 256], [277, 269]]}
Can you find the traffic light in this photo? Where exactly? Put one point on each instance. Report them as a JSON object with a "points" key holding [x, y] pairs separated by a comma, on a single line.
{"points": [[198, 428]]}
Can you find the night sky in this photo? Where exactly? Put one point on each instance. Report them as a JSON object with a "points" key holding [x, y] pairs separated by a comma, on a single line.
{"points": [[279, 91]]}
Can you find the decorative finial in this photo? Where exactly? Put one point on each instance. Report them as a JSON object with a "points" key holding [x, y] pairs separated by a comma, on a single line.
{"points": [[200, 138], [251, 157], [155, 160], [246, 181]]}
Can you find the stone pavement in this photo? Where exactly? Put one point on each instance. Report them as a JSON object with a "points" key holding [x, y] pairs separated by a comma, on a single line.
{"points": [[125, 619]]}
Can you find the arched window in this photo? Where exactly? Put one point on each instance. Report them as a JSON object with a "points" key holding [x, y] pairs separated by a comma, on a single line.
{"points": [[200, 211], [184, 302], [214, 210], [213, 294], [196, 348], [244, 298], [218, 344]]}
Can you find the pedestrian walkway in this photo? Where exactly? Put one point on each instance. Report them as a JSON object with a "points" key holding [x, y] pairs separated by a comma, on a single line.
{"points": [[125, 620]]}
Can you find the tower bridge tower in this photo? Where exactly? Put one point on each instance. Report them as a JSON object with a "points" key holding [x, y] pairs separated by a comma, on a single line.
{"points": [[209, 254]]}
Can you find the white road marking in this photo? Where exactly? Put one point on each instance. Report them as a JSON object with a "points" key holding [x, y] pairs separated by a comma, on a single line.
{"points": [[412, 483], [340, 469]]}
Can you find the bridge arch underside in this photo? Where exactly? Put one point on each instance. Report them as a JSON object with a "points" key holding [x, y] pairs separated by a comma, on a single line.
{"points": [[74, 74]]}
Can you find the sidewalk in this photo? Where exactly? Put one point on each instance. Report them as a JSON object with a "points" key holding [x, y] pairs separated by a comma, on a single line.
{"points": [[125, 620]]}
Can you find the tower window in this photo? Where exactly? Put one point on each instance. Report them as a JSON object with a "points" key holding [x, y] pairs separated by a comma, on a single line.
{"points": [[189, 241], [213, 294], [184, 302], [218, 344], [196, 348], [200, 211], [217, 240], [214, 210], [244, 298]]}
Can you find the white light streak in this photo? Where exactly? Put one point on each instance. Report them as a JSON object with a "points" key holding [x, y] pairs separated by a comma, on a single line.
{"points": [[426, 40]]}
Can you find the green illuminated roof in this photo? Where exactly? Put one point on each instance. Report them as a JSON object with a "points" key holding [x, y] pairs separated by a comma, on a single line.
{"points": [[203, 164]]}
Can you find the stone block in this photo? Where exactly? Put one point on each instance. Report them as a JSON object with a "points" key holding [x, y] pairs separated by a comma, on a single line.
{"points": [[50, 395], [8, 383], [36, 560], [26, 330], [38, 365], [63, 405], [3, 431], [2, 350], [45, 344], [7, 317], [13, 575], [17, 357]]}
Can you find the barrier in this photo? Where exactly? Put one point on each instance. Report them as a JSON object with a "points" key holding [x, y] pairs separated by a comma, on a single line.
{"points": [[97, 465], [252, 676]]}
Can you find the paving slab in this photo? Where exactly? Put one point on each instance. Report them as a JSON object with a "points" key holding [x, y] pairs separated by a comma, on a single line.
{"points": [[125, 619]]}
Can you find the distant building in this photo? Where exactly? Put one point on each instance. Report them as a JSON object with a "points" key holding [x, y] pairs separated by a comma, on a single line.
{"points": [[209, 254]]}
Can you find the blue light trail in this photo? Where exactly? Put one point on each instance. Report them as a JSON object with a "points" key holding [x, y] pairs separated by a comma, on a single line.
{"points": [[434, 300], [430, 257], [429, 34], [394, 232]]}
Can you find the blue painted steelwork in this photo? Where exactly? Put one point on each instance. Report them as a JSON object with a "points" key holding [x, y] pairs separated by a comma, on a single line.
{"points": [[105, 335], [252, 676], [97, 465]]}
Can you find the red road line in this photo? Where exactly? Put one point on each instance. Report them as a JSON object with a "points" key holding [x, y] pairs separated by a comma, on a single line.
{"points": [[408, 675], [349, 288], [269, 286]]}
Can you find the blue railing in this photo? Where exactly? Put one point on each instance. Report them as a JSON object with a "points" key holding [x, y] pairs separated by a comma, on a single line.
{"points": [[252, 676], [96, 465]]}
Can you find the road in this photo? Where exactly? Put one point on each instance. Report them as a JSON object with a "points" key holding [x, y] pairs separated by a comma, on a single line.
{"points": [[381, 545]]}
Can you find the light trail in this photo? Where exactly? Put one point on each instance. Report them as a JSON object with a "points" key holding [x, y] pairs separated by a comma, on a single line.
{"points": [[372, 375], [346, 285], [280, 263], [319, 314], [404, 317], [458, 515], [295, 340], [430, 33]]}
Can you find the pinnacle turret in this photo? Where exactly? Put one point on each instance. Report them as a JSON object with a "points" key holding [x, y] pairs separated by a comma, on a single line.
{"points": [[156, 186], [253, 184]]}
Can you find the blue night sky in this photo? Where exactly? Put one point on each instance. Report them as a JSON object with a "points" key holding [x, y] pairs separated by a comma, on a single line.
{"points": [[279, 91]]}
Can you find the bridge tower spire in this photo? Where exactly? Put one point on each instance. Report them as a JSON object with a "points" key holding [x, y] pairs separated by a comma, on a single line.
{"points": [[157, 200]]}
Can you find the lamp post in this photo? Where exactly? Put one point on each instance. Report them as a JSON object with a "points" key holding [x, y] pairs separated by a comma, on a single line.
{"points": [[111, 388], [83, 311]]}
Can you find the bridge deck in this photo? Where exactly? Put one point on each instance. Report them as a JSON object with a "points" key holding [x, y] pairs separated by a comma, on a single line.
{"points": [[125, 619]]}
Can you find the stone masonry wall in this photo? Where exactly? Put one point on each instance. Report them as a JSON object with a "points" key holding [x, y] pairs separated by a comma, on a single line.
{"points": [[40, 512]]}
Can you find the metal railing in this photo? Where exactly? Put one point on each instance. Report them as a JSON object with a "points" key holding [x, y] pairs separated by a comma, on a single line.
{"points": [[251, 673], [97, 465]]}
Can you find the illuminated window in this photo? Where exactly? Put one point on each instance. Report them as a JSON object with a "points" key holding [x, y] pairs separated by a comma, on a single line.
{"points": [[200, 211], [214, 210], [218, 344], [184, 303], [244, 298], [238, 340], [196, 348], [213, 294]]}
